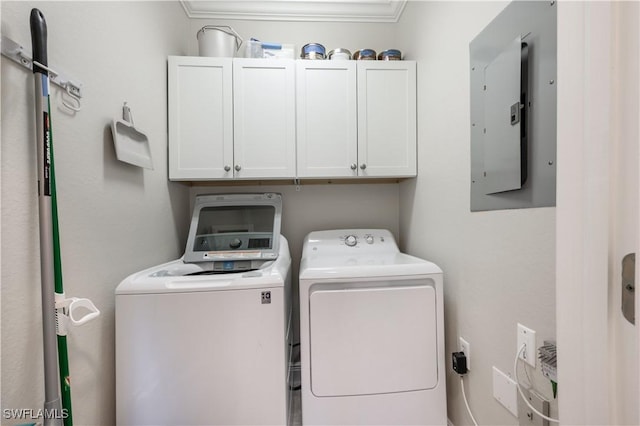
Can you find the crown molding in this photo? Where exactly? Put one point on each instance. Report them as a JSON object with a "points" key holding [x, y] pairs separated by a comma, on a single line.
{"points": [[297, 10]]}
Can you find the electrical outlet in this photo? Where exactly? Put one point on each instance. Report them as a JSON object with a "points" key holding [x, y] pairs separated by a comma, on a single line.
{"points": [[527, 337], [466, 348]]}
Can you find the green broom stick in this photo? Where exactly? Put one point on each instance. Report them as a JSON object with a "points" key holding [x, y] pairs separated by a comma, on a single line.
{"points": [[63, 358], [51, 269]]}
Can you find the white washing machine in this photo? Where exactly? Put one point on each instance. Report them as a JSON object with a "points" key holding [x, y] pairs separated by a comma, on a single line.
{"points": [[204, 340], [371, 332]]}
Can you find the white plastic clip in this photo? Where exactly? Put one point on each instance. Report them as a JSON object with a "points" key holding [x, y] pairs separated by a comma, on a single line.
{"points": [[71, 89], [16, 53], [65, 312]]}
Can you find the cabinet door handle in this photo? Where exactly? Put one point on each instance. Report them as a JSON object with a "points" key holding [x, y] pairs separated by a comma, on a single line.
{"points": [[237, 167], [354, 166], [363, 166], [227, 168]]}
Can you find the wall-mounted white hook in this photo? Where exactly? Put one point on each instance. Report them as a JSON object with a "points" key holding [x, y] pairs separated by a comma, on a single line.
{"points": [[126, 114], [16, 53], [76, 100]]}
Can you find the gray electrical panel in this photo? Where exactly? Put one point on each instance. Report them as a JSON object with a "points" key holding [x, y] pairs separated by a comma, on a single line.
{"points": [[513, 109]]}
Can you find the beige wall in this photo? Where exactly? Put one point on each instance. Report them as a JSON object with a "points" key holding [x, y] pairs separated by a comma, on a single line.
{"points": [[498, 266]]}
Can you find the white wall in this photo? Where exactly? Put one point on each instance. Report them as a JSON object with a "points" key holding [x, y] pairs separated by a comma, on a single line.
{"points": [[114, 218], [597, 213], [331, 35], [625, 229], [319, 206], [498, 266]]}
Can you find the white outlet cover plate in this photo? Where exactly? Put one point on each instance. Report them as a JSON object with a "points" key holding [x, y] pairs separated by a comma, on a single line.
{"points": [[466, 348], [527, 336], [505, 391]]}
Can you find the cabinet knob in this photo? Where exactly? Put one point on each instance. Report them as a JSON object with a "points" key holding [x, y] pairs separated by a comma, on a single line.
{"points": [[354, 166], [237, 167], [227, 168], [363, 166]]}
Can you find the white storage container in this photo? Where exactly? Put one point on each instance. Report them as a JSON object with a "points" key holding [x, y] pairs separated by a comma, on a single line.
{"points": [[218, 41]]}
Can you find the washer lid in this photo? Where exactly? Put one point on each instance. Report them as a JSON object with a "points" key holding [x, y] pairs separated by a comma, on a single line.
{"points": [[180, 277], [227, 227]]}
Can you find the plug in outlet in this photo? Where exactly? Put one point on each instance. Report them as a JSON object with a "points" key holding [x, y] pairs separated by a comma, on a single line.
{"points": [[527, 336], [466, 348]]}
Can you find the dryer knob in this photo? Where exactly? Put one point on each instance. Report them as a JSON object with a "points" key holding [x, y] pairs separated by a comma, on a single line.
{"points": [[369, 239], [351, 240]]}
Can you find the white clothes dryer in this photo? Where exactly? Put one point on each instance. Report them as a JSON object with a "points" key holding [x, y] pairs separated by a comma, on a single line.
{"points": [[205, 339], [371, 332]]}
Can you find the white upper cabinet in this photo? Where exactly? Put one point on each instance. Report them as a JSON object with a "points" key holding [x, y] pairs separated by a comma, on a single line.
{"points": [[200, 118], [326, 119], [356, 119], [387, 118], [264, 118], [231, 118], [256, 119]]}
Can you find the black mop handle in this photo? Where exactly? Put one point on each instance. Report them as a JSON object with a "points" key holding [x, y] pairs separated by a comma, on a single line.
{"points": [[39, 41]]}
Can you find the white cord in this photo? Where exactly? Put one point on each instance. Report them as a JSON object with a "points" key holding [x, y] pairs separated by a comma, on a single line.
{"points": [[515, 372], [466, 403]]}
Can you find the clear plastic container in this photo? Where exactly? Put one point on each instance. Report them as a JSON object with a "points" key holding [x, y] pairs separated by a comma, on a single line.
{"points": [[259, 49]]}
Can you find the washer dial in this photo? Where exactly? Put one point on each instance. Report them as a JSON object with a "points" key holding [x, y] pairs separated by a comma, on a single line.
{"points": [[351, 240], [235, 243]]}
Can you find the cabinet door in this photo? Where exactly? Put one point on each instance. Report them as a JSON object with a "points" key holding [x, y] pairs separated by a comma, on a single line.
{"points": [[200, 118], [326, 119], [264, 118], [387, 118]]}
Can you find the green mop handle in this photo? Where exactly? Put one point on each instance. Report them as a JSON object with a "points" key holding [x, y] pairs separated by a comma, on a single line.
{"points": [[63, 358], [49, 242]]}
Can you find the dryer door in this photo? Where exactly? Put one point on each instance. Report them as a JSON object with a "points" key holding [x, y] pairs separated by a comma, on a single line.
{"points": [[371, 338]]}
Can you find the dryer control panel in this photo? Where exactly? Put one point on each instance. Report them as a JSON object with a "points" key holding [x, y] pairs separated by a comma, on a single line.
{"points": [[351, 241]]}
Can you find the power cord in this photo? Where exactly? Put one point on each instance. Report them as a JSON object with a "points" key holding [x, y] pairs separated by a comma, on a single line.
{"points": [[466, 403], [459, 365], [515, 372]]}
